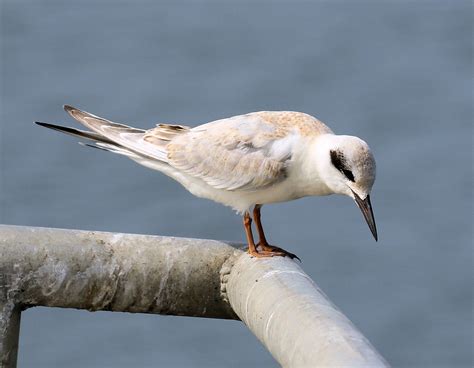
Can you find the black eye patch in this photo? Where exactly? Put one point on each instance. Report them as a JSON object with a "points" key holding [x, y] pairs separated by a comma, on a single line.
{"points": [[339, 162], [348, 174]]}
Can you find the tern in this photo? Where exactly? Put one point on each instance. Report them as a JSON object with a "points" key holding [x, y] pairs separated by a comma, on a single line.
{"points": [[245, 161]]}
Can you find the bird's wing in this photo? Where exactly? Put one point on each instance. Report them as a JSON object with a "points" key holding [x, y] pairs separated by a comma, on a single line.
{"points": [[148, 143], [247, 152]]}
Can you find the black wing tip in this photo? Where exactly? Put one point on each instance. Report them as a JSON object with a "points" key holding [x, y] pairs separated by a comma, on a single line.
{"points": [[93, 146], [375, 233], [59, 128], [46, 125]]}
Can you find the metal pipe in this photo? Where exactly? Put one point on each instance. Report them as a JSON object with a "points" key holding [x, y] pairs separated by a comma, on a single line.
{"points": [[293, 318], [91, 270], [113, 272], [9, 333]]}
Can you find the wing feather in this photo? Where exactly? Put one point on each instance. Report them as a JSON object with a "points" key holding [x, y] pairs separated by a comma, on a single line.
{"points": [[148, 143], [240, 153], [243, 153]]}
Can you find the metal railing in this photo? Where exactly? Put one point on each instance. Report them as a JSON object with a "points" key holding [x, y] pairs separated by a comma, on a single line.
{"points": [[177, 276]]}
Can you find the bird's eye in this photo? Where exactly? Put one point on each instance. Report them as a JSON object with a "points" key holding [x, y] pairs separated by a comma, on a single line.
{"points": [[348, 174], [339, 162]]}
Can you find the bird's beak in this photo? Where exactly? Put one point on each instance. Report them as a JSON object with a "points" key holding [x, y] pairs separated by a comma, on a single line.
{"points": [[366, 208]]}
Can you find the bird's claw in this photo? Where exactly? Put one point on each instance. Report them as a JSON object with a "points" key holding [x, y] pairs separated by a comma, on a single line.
{"points": [[276, 251], [266, 254]]}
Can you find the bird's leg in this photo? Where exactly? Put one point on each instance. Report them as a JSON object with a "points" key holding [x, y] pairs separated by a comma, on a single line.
{"points": [[261, 234], [251, 244], [262, 243]]}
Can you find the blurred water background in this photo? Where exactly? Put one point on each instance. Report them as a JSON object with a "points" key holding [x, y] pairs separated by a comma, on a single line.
{"points": [[396, 74]]}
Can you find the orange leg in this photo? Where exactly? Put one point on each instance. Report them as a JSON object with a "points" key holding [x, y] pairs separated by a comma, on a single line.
{"points": [[263, 244], [251, 244]]}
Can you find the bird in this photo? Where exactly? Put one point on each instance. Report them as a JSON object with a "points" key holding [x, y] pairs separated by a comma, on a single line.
{"points": [[245, 161]]}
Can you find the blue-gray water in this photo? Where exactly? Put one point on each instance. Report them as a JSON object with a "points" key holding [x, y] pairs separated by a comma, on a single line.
{"points": [[394, 73]]}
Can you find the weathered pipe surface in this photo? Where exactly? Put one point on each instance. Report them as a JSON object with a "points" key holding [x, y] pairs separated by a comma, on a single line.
{"points": [[293, 318], [91, 270], [106, 271], [112, 272]]}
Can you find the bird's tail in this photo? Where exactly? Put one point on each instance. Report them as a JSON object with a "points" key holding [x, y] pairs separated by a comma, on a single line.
{"points": [[98, 140], [135, 143]]}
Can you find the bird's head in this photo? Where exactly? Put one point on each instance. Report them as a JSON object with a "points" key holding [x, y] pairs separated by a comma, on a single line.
{"points": [[349, 169]]}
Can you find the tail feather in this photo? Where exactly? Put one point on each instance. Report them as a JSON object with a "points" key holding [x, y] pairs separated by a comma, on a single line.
{"points": [[99, 141], [96, 123], [119, 138], [113, 148], [76, 132], [122, 135]]}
